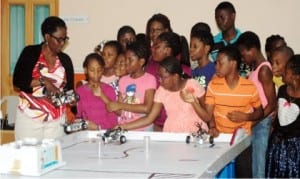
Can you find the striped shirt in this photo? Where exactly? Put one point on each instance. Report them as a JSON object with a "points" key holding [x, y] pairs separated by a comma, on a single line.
{"points": [[244, 97]]}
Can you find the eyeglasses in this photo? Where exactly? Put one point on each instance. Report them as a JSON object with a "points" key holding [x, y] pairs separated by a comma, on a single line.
{"points": [[60, 39]]}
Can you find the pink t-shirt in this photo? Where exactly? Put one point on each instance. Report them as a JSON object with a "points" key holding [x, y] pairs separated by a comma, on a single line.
{"points": [[181, 115], [109, 79], [133, 92], [254, 78]]}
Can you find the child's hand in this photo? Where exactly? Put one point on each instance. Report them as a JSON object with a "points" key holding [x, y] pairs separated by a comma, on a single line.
{"points": [[92, 126], [187, 95], [237, 116], [112, 106], [213, 132]]}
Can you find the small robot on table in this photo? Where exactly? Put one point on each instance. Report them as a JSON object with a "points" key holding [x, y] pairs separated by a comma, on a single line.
{"points": [[76, 125], [199, 137], [112, 135]]}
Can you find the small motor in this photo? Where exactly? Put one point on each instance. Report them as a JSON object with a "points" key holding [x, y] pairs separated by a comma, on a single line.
{"points": [[77, 125]]}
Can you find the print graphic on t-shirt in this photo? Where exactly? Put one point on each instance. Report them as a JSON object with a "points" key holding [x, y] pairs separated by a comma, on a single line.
{"points": [[131, 98], [202, 80], [287, 112]]}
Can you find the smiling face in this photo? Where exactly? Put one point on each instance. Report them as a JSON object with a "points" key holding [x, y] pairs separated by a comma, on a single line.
{"points": [[160, 50], [134, 63], [279, 60], [121, 66], [156, 28], [197, 49], [109, 55]]}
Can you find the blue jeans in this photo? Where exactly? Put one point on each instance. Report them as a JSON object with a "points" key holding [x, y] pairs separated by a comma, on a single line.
{"points": [[260, 137]]}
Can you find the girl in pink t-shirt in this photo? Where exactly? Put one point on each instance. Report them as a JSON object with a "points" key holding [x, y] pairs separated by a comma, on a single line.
{"points": [[137, 89], [182, 98]]}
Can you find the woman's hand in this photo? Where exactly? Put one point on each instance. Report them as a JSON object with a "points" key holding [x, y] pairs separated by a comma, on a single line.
{"points": [[49, 85]]}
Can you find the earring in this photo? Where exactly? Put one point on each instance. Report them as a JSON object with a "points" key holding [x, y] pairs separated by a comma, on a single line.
{"points": [[46, 42]]}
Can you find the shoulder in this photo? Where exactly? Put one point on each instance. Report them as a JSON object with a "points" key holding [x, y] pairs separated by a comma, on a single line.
{"points": [[216, 84], [247, 85], [82, 88], [32, 50], [106, 86], [193, 82], [265, 70], [217, 81], [218, 37], [282, 90], [65, 58], [124, 78], [194, 85], [149, 76], [238, 32]]}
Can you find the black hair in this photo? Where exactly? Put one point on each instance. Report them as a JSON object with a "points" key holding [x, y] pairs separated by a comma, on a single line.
{"points": [[225, 5], [284, 49], [172, 65], [115, 44], [249, 40], [93, 56], [271, 41], [51, 24], [233, 53], [200, 26], [141, 38], [204, 36], [125, 29], [139, 49], [178, 45], [161, 18], [294, 64]]}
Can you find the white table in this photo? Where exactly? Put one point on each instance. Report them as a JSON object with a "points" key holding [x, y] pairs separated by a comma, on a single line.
{"points": [[168, 156]]}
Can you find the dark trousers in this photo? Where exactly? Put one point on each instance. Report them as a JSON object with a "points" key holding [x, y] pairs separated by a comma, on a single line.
{"points": [[243, 164]]}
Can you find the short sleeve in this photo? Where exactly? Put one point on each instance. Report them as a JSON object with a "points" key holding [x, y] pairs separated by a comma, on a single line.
{"points": [[255, 101], [195, 87], [209, 98], [158, 95]]}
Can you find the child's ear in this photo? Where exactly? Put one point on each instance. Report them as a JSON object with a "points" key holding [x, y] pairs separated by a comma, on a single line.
{"points": [[142, 61], [233, 16], [168, 51], [85, 70], [207, 49]]}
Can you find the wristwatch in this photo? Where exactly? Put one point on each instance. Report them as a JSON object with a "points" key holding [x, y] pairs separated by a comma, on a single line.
{"points": [[42, 81]]}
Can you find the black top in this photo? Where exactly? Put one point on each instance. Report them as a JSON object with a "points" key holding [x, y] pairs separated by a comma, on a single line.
{"points": [[23, 71], [287, 121]]}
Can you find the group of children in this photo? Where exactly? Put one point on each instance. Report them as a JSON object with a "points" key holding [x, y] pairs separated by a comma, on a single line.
{"points": [[146, 82]]}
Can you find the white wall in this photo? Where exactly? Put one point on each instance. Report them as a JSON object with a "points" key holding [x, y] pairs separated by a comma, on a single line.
{"points": [[104, 17]]}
